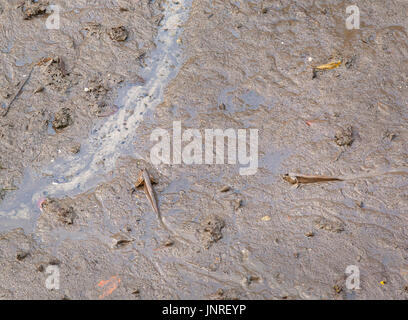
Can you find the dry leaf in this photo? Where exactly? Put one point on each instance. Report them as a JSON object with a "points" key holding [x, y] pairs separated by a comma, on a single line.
{"points": [[329, 66]]}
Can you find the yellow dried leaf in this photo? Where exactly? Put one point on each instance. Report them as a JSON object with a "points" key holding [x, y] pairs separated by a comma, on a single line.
{"points": [[266, 218], [329, 66]]}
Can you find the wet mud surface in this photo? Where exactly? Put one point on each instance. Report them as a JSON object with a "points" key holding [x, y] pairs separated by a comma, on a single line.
{"points": [[75, 138]]}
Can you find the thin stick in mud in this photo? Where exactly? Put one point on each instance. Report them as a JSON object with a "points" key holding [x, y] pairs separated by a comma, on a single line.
{"points": [[20, 88]]}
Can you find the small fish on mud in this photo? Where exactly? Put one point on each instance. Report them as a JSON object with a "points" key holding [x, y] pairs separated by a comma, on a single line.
{"points": [[296, 179], [145, 181]]}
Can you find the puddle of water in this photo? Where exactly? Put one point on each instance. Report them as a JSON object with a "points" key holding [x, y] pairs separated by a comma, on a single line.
{"points": [[252, 99], [236, 101], [22, 62], [110, 139], [272, 162]]}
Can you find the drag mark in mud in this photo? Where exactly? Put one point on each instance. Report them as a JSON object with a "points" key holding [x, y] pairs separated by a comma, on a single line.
{"points": [[20, 88]]}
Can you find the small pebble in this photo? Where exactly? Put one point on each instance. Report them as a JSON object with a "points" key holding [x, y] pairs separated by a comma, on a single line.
{"points": [[22, 255], [225, 189], [168, 243]]}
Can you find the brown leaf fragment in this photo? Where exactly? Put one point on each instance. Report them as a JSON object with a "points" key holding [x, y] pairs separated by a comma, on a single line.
{"points": [[43, 61], [329, 66]]}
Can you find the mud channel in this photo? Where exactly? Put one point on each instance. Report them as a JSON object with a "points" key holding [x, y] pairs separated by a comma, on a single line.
{"points": [[78, 108]]}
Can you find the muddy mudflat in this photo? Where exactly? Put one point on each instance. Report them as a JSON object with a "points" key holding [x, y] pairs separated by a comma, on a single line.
{"points": [[79, 104]]}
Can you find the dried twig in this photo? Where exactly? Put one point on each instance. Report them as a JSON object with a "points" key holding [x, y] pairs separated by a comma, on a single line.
{"points": [[20, 88]]}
